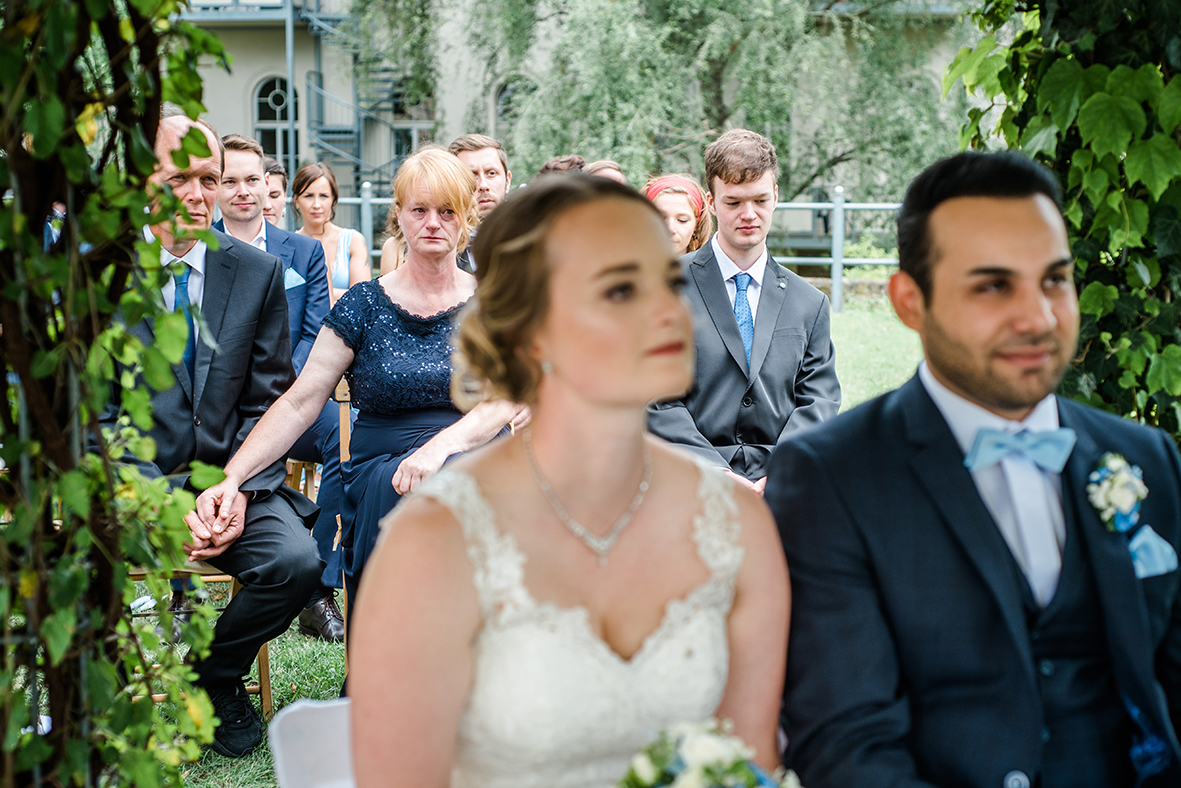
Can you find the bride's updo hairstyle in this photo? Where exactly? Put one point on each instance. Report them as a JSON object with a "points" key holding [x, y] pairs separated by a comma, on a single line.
{"points": [[439, 171], [492, 358]]}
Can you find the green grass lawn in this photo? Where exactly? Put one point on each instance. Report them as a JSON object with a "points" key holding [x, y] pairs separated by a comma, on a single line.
{"points": [[875, 353]]}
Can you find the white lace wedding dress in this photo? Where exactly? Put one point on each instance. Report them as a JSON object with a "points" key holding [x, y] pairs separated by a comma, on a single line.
{"points": [[551, 704]]}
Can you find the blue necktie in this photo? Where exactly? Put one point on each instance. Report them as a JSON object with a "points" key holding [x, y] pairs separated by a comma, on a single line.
{"points": [[1048, 450], [746, 322], [181, 300]]}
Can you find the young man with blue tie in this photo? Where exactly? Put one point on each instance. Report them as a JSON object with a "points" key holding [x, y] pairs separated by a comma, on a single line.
{"points": [[984, 575], [242, 198], [765, 362]]}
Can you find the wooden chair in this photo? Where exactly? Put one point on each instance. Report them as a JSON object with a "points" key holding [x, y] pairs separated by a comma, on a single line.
{"points": [[210, 574], [344, 398]]}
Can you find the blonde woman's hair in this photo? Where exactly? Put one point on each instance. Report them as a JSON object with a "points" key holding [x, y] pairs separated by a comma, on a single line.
{"points": [[493, 358], [449, 182]]}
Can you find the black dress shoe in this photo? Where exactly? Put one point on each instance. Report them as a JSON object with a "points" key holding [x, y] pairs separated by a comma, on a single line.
{"points": [[323, 620], [240, 729]]}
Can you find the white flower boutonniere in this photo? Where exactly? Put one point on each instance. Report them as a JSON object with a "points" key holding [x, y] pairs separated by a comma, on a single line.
{"points": [[1116, 489]]}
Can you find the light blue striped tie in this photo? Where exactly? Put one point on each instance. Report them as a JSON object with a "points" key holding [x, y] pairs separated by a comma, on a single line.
{"points": [[181, 299], [746, 321]]}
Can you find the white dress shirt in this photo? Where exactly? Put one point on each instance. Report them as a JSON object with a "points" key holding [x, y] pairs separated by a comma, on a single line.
{"points": [[260, 240], [729, 269], [1025, 501], [195, 258]]}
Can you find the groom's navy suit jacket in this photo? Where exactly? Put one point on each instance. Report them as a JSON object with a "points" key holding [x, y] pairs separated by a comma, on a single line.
{"points": [[910, 661], [305, 281], [735, 413]]}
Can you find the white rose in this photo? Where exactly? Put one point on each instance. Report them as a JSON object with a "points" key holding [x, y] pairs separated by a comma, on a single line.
{"points": [[644, 768], [704, 749], [690, 778], [1115, 462], [791, 780], [1123, 498]]}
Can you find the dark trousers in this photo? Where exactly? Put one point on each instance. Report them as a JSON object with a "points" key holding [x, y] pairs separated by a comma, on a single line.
{"points": [[321, 443], [276, 561]]}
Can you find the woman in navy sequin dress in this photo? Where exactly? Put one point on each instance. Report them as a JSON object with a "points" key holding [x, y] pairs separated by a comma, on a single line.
{"points": [[391, 339]]}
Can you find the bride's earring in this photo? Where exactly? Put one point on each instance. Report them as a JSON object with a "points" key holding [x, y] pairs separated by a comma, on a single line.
{"points": [[546, 367]]}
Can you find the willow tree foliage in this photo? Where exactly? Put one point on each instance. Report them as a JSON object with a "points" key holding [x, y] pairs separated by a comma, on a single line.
{"points": [[651, 82], [81, 85], [1091, 89]]}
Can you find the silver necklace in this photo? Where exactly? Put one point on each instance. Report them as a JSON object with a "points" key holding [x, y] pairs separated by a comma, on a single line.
{"points": [[599, 545]]}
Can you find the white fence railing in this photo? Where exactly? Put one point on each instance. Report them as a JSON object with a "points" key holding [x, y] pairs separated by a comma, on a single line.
{"points": [[836, 260]]}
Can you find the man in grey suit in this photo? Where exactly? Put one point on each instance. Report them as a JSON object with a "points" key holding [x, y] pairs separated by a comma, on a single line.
{"points": [[765, 363], [218, 398]]}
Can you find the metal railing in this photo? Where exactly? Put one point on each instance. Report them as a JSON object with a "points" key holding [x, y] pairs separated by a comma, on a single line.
{"points": [[836, 260]]}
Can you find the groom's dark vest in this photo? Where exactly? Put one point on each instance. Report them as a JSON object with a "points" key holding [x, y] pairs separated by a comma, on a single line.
{"points": [[1087, 734]]}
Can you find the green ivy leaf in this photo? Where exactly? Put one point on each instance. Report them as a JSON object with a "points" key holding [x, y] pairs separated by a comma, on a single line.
{"points": [[1061, 91], [204, 476], [1098, 299], [172, 333], [1155, 162], [1164, 372], [138, 404], [966, 62], [1142, 84], [1095, 185], [1168, 107], [1040, 136], [1108, 123], [74, 491], [1166, 230], [45, 362], [157, 370], [58, 629], [45, 122]]}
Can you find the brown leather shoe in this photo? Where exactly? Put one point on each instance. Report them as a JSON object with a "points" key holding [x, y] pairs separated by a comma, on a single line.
{"points": [[323, 620]]}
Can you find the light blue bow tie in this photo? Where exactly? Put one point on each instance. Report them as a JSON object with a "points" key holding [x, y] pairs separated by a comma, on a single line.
{"points": [[1048, 450]]}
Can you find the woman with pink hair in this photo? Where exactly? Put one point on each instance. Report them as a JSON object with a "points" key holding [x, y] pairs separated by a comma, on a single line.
{"points": [[681, 201]]}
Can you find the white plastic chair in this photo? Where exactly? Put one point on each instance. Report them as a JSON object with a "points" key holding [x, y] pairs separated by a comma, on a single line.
{"points": [[311, 742]]}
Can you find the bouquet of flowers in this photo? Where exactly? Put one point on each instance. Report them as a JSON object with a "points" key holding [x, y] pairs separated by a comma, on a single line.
{"points": [[701, 755]]}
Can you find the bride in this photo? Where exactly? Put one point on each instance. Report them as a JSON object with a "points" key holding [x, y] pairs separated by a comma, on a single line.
{"points": [[541, 608]]}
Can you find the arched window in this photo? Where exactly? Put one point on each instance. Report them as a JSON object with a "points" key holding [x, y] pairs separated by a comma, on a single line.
{"points": [[271, 106]]}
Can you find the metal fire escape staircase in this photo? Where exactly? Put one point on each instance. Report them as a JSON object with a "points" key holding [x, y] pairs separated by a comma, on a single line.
{"points": [[360, 133]]}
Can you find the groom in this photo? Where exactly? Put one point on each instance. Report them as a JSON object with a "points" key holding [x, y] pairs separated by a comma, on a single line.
{"points": [[962, 613]]}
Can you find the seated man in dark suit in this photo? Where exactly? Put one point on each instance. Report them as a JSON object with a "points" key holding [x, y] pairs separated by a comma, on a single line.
{"points": [[765, 363], [966, 613], [217, 399], [242, 198]]}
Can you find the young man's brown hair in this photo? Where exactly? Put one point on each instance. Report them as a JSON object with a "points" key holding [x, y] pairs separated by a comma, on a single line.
{"points": [[739, 156], [479, 142]]}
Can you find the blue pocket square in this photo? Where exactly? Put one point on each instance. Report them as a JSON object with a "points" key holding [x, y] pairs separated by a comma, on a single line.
{"points": [[1151, 554], [291, 278]]}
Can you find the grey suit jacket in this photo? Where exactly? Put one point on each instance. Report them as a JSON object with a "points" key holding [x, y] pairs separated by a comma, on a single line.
{"points": [[245, 312], [733, 416]]}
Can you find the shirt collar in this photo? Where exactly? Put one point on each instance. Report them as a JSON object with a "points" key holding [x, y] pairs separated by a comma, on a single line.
{"points": [[260, 240], [729, 269], [967, 418], [195, 257]]}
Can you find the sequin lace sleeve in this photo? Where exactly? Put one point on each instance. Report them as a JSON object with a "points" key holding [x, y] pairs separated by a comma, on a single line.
{"points": [[402, 362]]}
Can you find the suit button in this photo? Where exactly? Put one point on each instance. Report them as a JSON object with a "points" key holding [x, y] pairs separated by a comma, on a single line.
{"points": [[747, 402], [1045, 735], [1046, 667], [197, 421], [1016, 779]]}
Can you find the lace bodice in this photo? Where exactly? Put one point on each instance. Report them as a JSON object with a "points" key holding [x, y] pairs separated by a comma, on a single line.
{"points": [[402, 362], [551, 704]]}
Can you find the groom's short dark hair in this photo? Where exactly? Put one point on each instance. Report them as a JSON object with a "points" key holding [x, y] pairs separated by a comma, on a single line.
{"points": [[1004, 174]]}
